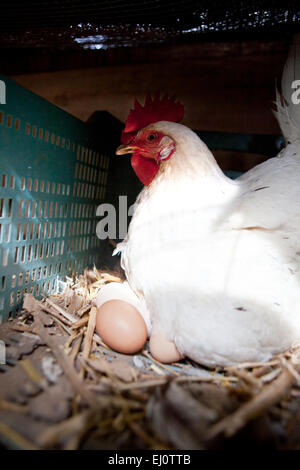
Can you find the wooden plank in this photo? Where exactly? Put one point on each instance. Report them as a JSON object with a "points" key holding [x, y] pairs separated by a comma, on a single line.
{"points": [[230, 91]]}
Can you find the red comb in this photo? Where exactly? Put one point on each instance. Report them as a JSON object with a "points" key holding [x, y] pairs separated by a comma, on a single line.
{"points": [[154, 110]]}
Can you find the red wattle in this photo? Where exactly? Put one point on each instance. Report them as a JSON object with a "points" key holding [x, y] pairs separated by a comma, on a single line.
{"points": [[145, 168]]}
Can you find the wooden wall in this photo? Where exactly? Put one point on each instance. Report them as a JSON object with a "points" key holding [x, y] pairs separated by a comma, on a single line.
{"points": [[224, 86]]}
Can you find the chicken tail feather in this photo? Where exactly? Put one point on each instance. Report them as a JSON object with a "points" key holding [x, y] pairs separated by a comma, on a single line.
{"points": [[288, 101]]}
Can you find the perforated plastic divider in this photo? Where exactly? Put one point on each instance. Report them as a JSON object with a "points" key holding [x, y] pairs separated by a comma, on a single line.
{"points": [[52, 178]]}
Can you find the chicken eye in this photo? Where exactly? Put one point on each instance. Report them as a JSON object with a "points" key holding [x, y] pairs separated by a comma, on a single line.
{"points": [[151, 137]]}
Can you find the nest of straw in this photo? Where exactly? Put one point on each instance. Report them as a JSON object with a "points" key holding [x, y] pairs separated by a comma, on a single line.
{"points": [[63, 388]]}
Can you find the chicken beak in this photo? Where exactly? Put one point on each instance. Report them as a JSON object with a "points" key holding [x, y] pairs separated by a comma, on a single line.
{"points": [[124, 149]]}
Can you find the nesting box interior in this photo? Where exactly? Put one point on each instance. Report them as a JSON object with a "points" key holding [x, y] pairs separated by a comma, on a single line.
{"points": [[69, 74]]}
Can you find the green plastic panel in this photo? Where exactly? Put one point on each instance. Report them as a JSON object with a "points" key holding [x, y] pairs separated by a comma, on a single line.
{"points": [[52, 178]]}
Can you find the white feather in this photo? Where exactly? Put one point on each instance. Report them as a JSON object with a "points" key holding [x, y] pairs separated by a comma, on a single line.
{"points": [[287, 112]]}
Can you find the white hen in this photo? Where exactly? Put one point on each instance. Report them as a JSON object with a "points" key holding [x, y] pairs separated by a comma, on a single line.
{"points": [[218, 261]]}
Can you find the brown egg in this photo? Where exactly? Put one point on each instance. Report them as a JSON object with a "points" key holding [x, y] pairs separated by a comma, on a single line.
{"points": [[121, 326], [162, 349]]}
